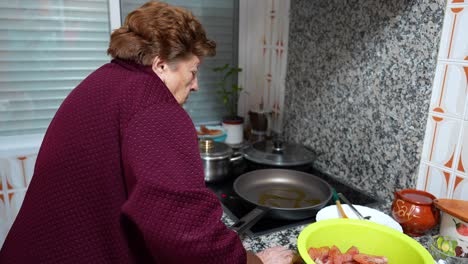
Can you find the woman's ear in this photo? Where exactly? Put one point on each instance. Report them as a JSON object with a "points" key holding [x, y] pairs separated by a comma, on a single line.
{"points": [[159, 66]]}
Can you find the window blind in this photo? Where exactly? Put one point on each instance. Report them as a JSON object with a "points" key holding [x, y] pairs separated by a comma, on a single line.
{"points": [[46, 49], [220, 20]]}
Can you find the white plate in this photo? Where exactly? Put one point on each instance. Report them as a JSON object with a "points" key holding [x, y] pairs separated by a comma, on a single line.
{"points": [[331, 211]]}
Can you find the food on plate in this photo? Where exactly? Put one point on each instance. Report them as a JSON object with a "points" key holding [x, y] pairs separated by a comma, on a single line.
{"points": [[206, 131], [333, 255]]}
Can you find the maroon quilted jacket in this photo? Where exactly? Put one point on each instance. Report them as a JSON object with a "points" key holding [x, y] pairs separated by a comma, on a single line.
{"points": [[119, 179]]}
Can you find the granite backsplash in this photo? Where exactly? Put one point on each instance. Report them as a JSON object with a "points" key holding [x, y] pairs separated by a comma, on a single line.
{"points": [[358, 86]]}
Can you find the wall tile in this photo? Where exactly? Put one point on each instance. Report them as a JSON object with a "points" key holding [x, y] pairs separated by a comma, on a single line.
{"points": [[466, 100], [446, 138], [441, 140], [460, 190], [454, 42], [446, 34], [3, 210], [16, 176], [29, 167], [449, 90], [4, 219], [4, 171], [15, 200], [462, 161], [434, 180]]}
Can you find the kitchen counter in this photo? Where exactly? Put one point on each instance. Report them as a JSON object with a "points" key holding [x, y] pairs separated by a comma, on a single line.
{"points": [[288, 237]]}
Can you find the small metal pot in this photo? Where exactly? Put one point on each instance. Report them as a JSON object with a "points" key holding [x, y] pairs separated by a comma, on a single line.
{"points": [[217, 158]]}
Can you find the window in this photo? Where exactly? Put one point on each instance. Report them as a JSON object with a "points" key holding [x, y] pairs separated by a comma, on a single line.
{"points": [[46, 49], [220, 20]]}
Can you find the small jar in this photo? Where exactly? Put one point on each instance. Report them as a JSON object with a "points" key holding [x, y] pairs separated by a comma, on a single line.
{"points": [[234, 130], [415, 211]]}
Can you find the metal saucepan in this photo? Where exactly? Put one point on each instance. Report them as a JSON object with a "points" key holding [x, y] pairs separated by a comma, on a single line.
{"points": [[280, 194], [217, 158]]}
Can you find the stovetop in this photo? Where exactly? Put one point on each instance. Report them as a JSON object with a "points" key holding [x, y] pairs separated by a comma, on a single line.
{"points": [[236, 208]]}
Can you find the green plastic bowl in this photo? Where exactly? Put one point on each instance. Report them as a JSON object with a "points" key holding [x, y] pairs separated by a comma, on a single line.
{"points": [[368, 237]]}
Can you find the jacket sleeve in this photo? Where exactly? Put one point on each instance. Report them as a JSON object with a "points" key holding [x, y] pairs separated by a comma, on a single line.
{"points": [[178, 216]]}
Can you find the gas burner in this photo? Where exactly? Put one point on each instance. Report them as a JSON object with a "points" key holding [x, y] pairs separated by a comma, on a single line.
{"points": [[236, 208]]}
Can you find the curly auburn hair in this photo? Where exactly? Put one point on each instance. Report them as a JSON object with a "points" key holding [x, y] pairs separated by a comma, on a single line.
{"points": [[158, 29]]}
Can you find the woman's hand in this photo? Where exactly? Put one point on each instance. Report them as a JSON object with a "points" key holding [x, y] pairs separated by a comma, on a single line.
{"points": [[276, 255]]}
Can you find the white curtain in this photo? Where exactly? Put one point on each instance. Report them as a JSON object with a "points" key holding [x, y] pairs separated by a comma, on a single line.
{"points": [[263, 44]]}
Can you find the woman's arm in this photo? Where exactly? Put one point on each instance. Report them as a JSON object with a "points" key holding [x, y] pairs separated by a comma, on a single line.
{"points": [[253, 259], [178, 217]]}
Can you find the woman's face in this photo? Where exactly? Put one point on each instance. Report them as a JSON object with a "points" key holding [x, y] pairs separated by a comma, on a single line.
{"points": [[180, 77]]}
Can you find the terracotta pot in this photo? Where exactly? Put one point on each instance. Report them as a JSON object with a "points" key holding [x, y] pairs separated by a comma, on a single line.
{"points": [[415, 211]]}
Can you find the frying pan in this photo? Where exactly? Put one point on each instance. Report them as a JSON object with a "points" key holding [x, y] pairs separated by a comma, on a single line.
{"points": [[280, 194]]}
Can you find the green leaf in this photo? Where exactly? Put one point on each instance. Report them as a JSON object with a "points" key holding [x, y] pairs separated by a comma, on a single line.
{"points": [[221, 68], [228, 89], [236, 88]]}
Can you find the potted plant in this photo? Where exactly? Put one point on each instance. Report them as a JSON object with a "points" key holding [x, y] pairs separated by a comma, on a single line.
{"points": [[229, 92]]}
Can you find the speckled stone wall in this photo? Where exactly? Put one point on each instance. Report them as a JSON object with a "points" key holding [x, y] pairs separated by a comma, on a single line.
{"points": [[358, 86]]}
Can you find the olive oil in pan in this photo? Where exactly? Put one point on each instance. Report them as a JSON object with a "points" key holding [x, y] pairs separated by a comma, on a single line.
{"points": [[286, 198]]}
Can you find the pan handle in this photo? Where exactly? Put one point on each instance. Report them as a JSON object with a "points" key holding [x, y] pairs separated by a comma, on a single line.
{"points": [[249, 220]]}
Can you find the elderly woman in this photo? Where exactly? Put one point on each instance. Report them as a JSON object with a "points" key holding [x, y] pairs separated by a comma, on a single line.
{"points": [[118, 178]]}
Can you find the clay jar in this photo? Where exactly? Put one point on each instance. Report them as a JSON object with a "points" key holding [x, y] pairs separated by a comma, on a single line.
{"points": [[415, 211]]}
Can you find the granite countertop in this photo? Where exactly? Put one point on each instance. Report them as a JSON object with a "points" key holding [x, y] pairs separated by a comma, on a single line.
{"points": [[288, 237]]}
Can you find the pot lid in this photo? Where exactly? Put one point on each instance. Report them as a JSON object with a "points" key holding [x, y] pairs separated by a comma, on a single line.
{"points": [[457, 208], [212, 149], [278, 153]]}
